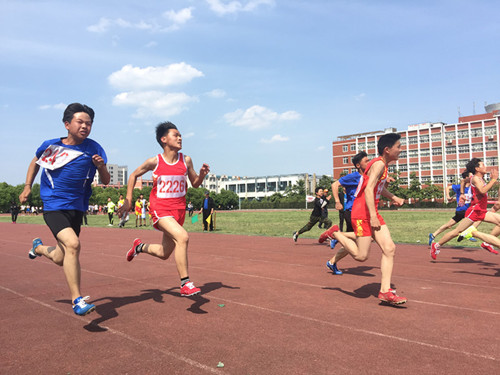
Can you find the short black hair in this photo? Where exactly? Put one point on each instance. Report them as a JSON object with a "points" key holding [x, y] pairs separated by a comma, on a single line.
{"points": [[356, 159], [163, 128], [318, 188], [465, 174], [73, 108], [387, 140], [472, 165]]}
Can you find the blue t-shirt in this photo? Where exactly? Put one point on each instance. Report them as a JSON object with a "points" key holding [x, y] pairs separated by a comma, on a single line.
{"points": [[350, 183], [456, 189], [69, 187]]}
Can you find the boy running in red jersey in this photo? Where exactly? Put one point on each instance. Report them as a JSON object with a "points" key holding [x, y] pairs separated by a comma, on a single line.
{"points": [[366, 220], [477, 211], [168, 201]]}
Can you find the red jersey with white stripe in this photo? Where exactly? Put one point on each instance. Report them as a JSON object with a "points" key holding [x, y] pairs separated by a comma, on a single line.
{"points": [[359, 207], [169, 185], [479, 201]]}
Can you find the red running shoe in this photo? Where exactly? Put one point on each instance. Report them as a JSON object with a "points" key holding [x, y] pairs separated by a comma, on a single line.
{"points": [[391, 297], [189, 289], [328, 234], [487, 246], [133, 250], [434, 250]]}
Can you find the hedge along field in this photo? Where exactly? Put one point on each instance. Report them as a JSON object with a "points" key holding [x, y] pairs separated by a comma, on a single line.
{"points": [[408, 226]]}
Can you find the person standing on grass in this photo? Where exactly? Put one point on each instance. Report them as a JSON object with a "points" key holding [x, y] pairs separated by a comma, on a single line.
{"points": [[207, 209], [69, 165], [14, 211], [319, 203], [477, 211], [111, 211], [171, 169], [138, 212], [367, 222]]}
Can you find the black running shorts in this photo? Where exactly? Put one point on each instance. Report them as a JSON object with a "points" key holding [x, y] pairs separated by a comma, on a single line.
{"points": [[59, 220], [459, 215]]}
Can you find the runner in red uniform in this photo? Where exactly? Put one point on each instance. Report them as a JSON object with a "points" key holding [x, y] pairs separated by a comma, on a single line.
{"points": [[171, 169], [477, 211], [366, 220]]}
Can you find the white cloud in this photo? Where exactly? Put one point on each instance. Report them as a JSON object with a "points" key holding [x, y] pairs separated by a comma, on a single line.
{"points": [[180, 17], [258, 117], [223, 7], [321, 148], [359, 97], [176, 20], [130, 77], [275, 138], [58, 106], [217, 93], [154, 103], [188, 135]]}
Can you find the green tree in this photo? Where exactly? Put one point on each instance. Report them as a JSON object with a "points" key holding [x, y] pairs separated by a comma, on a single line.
{"points": [[226, 199], [325, 182], [431, 192], [415, 189], [195, 196]]}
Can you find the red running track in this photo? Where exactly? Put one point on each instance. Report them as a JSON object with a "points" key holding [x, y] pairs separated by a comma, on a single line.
{"points": [[268, 306]]}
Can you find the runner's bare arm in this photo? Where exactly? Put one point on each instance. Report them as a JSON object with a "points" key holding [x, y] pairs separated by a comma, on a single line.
{"points": [[196, 179], [101, 169], [33, 169]]}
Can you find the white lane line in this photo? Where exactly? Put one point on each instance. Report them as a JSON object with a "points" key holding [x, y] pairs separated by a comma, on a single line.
{"points": [[359, 330], [144, 344]]}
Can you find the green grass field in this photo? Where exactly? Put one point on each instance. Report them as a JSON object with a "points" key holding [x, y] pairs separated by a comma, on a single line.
{"points": [[408, 226]]}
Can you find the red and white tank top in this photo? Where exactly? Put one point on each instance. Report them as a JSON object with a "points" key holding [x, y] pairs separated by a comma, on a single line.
{"points": [[359, 207], [169, 184], [479, 201]]}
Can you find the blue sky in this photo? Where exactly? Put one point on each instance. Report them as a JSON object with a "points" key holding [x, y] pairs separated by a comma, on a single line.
{"points": [[256, 87]]}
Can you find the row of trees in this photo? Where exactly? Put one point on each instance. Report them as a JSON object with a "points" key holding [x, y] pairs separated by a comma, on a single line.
{"points": [[294, 196]]}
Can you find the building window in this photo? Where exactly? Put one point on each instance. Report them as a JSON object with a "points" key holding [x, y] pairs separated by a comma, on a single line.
{"points": [[344, 148], [490, 146], [436, 137], [463, 134], [242, 188], [413, 153], [491, 161], [425, 166], [452, 164], [414, 167], [261, 186], [476, 132], [424, 139], [345, 160], [449, 136], [437, 151], [403, 141], [271, 186], [437, 179], [361, 146], [477, 147], [437, 165], [370, 145], [353, 147], [462, 163], [451, 150], [404, 181], [403, 167], [282, 185], [403, 155], [490, 130], [413, 140], [251, 188], [462, 149], [345, 171]]}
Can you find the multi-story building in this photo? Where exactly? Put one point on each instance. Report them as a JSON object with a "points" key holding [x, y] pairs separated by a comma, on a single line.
{"points": [[118, 174], [258, 187], [436, 152]]}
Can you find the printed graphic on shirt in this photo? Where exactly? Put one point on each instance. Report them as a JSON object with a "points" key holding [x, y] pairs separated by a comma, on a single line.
{"points": [[55, 157]]}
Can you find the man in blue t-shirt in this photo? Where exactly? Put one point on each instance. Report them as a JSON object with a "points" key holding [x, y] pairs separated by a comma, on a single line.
{"points": [[350, 184], [461, 206], [68, 168]]}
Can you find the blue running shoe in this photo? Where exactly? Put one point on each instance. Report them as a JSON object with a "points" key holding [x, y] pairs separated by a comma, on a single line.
{"points": [[32, 254], [80, 307], [333, 243], [472, 239], [333, 268], [431, 238]]}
